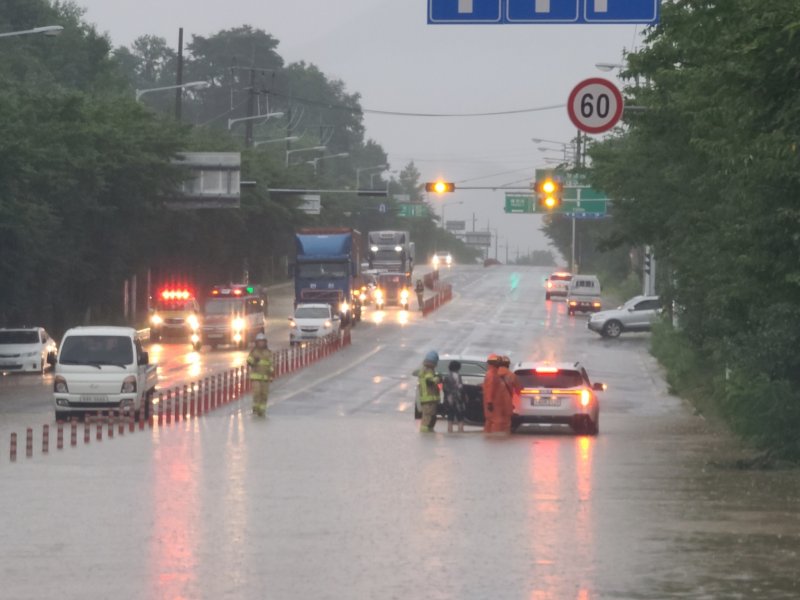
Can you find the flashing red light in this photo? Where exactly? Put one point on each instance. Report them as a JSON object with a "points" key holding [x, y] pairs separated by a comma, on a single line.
{"points": [[176, 294], [547, 370]]}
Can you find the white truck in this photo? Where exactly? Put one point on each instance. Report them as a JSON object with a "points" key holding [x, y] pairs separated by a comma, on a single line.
{"points": [[101, 369]]}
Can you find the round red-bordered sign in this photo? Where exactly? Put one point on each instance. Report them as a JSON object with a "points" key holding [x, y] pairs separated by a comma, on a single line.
{"points": [[595, 105]]}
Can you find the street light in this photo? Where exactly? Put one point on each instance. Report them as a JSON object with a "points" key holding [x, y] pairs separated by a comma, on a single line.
{"points": [[360, 170], [266, 117], [191, 84], [604, 66], [313, 148], [291, 138], [315, 161], [48, 30]]}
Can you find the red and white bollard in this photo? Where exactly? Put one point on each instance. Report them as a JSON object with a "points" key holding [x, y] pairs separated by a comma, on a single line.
{"points": [[45, 438], [60, 435], [29, 442], [13, 450], [73, 433], [99, 433], [87, 430]]}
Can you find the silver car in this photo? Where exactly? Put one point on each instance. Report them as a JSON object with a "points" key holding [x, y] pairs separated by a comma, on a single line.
{"points": [[637, 314]]}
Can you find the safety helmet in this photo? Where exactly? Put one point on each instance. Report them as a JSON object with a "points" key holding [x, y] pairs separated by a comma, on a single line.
{"points": [[432, 357], [493, 359], [260, 337]]}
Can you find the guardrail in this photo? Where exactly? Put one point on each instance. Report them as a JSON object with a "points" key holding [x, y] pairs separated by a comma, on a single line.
{"points": [[182, 402], [444, 294]]}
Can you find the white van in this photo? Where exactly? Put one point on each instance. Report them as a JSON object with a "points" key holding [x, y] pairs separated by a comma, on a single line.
{"points": [[102, 368], [584, 294]]}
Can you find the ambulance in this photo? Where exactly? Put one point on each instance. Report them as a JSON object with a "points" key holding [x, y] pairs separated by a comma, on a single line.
{"points": [[232, 315], [175, 315]]}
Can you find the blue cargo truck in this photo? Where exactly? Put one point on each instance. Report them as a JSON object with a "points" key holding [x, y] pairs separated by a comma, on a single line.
{"points": [[327, 269]]}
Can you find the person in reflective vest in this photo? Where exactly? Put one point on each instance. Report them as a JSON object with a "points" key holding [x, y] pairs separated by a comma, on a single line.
{"points": [[260, 363], [507, 388], [420, 289], [429, 391], [490, 424]]}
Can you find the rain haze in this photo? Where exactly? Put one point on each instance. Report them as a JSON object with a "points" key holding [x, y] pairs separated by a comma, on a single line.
{"points": [[386, 51]]}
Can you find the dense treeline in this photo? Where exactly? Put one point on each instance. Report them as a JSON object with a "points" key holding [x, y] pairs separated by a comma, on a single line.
{"points": [[707, 172], [84, 167]]}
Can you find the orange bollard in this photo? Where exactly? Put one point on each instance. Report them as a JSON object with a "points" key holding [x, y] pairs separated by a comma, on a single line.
{"points": [[99, 434], [110, 425], [60, 436], [73, 433]]}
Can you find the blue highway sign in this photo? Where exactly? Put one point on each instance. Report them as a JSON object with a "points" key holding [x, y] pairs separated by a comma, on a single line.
{"points": [[542, 11]]}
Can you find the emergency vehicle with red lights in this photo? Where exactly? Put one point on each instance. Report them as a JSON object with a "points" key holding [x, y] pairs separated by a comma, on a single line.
{"points": [[175, 315], [233, 315]]}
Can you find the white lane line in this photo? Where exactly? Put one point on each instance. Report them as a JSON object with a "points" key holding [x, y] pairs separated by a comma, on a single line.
{"points": [[322, 380]]}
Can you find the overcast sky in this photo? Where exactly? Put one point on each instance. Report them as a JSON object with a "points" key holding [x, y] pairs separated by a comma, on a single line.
{"points": [[386, 51]]}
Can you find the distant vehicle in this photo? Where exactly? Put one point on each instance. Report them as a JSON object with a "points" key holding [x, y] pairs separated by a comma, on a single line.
{"points": [[637, 314], [394, 289], [175, 315], [233, 315], [26, 349], [311, 322], [328, 269], [557, 285], [584, 294], [391, 251], [557, 394], [473, 372], [369, 286], [102, 368], [442, 259], [491, 262]]}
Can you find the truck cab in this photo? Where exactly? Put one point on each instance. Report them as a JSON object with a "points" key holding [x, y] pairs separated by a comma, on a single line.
{"points": [[233, 315], [102, 368]]}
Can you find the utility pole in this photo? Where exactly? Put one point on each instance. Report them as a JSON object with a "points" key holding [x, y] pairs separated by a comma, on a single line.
{"points": [[251, 108], [179, 78]]}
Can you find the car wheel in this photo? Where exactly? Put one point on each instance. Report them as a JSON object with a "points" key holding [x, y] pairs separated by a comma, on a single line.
{"points": [[515, 425], [612, 329], [547, 296], [62, 416], [593, 427]]}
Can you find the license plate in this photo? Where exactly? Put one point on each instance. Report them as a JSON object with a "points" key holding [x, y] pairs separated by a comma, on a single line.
{"points": [[545, 401], [94, 399], [214, 335]]}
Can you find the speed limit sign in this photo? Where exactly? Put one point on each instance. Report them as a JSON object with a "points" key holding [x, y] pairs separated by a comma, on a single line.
{"points": [[595, 105]]}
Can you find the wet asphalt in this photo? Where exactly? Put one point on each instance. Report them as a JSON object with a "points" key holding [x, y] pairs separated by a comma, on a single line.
{"points": [[337, 495]]}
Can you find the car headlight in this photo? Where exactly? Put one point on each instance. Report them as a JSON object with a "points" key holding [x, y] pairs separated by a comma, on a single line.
{"points": [[404, 294], [363, 297], [60, 385], [328, 324], [345, 307], [373, 248], [193, 322], [292, 324], [129, 385], [435, 259], [238, 323], [449, 259], [156, 320], [398, 248], [378, 294]]}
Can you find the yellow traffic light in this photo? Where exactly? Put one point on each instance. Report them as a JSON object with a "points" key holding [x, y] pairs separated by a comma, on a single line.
{"points": [[440, 187], [549, 192], [549, 186], [550, 202]]}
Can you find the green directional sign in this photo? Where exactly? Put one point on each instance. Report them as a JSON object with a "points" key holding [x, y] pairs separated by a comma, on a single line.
{"points": [[411, 210], [520, 203]]}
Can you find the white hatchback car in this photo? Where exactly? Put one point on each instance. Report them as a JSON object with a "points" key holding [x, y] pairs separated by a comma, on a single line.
{"points": [[559, 394], [25, 349], [311, 322]]}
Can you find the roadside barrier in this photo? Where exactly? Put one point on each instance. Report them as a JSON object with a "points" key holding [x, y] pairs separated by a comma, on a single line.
{"points": [[444, 294], [184, 401]]}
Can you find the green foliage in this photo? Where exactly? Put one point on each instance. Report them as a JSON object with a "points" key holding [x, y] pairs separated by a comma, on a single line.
{"points": [[708, 174]]}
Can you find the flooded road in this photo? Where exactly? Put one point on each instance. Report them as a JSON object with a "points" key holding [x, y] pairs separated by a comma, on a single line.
{"points": [[337, 495]]}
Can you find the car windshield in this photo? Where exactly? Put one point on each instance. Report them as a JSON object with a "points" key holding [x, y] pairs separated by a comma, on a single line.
{"points": [[312, 312], [224, 306], [97, 349], [174, 305], [560, 378], [18, 337], [316, 270]]}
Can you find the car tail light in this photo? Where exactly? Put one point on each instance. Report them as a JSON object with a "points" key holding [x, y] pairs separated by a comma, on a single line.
{"points": [[573, 303], [586, 398], [549, 284], [596, 305]]}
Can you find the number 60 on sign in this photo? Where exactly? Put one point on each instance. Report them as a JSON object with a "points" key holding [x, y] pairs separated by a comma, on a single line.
{"points": [[595, 105]]}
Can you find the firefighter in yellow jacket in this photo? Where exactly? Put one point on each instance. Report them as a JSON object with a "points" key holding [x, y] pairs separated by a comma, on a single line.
{"points": [[260, 363]]}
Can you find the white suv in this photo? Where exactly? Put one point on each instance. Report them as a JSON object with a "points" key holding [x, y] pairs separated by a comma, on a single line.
{"points": [[560, 394], [637, 314]]}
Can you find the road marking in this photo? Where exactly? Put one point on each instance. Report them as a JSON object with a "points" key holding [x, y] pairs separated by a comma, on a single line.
{"points": [[344, 369], [601, 6], [542, 6], [465, 7]]}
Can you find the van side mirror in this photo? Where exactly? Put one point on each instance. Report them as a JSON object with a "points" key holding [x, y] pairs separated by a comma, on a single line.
{"points": [[144, 358], [599, 387], [51, 359]]}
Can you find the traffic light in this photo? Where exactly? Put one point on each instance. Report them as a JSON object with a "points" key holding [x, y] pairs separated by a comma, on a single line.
{"points": [[648, 262], [549, 193], [440, 187]]}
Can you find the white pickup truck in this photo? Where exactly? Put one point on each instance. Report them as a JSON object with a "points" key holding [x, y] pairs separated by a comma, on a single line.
{"points": [[100, 369]]}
